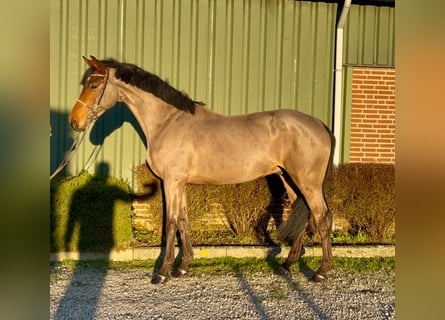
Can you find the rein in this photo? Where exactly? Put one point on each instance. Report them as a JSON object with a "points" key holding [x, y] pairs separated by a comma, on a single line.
{"points": [[92, 116]]}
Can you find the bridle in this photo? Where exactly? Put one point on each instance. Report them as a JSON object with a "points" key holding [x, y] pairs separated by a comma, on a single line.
{"points": [[91, 116], [94, 109]]}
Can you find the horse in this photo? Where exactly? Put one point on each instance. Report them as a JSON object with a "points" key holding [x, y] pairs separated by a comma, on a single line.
{"points": [[188, 143]]}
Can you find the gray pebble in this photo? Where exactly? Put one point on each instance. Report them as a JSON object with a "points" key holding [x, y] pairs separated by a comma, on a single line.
{"points": [[91, 293]]}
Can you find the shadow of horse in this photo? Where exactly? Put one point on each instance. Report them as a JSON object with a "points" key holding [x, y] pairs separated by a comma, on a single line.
{"points": [[273, 262], [256, 299]]}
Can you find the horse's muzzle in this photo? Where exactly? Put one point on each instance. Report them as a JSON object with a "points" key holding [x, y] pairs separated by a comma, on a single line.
{"points": [[75, 126]]}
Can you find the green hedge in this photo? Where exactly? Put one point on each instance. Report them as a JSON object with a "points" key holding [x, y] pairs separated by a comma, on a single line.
{"points": [[90, 213], [361, 195], [243, 207], [94, 213], [364, 196]]}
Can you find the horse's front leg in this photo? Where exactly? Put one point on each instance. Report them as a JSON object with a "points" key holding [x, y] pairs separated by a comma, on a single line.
{"points": [[184, 230], [173, 190]]}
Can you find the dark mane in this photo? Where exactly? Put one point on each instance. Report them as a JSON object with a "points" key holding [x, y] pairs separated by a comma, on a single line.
{"points": [[136, 76]]}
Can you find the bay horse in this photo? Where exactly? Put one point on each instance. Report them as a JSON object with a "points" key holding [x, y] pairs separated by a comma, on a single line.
{"points": [[187, 143]]}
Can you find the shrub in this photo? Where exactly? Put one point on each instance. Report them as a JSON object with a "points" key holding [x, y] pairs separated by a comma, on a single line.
{"points": [[89, 213], [364, 195], [243, 205], [150, 194], [239, 208]]}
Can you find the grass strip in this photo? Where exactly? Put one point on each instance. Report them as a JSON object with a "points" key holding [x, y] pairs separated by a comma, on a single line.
{"points": [[227, 265]]}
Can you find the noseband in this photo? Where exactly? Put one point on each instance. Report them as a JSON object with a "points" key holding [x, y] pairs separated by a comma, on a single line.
{"points": [[92, 116], [94, 109]]}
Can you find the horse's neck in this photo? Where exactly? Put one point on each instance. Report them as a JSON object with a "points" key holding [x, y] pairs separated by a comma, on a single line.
{"points": [[150, 111]]}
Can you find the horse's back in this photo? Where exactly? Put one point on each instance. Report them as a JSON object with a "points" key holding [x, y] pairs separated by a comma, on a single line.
{"points": [[298, 126], [301, 119], [306, 140], [282, 126]]}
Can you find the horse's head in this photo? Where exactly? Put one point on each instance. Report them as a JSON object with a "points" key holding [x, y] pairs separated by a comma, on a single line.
{"points": [[97, 95]]}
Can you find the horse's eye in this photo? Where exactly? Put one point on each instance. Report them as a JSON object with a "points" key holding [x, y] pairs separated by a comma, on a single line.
{"points": [[93, 85]]}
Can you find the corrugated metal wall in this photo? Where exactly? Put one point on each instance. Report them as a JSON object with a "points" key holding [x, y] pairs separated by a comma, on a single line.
{"points": [[370, 36], [238, 56]]}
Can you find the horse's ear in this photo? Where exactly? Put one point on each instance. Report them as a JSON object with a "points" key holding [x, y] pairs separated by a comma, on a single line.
{"points": [[93, 62], [88, 61]]}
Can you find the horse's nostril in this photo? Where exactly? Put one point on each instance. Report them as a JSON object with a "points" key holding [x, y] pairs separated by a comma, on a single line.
{"points": [[74, 125]]}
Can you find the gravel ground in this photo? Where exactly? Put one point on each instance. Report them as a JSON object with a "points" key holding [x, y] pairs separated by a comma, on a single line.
{"points": [[94, 293]]}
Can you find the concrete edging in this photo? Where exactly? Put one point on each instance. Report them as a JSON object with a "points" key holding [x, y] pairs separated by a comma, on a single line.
{"points": [[143, 253]]}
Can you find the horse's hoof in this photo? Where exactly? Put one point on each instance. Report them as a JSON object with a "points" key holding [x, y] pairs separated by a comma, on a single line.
{"points": [[318, 277], [281, 271], [179, 273], [158, 279]]}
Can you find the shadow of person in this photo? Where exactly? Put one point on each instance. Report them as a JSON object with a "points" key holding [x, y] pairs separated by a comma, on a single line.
{"points": [[90, 224]]}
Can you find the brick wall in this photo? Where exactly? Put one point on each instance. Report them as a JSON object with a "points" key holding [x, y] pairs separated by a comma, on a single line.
{"points": [[373, 115]]}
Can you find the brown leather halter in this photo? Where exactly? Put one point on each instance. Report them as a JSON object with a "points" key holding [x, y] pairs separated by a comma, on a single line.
{"points": [[92, 116]]}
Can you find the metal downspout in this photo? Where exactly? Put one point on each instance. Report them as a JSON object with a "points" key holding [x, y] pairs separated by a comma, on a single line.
{"points": [[338, 107]]}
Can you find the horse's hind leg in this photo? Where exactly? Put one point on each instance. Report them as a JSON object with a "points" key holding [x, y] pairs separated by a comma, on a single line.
{"points": [[293, 256], [315, 204], [298, 207], [323, 224], [184, 231]]}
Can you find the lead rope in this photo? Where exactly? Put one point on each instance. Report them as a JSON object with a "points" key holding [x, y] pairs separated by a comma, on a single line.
{"points": [[69, 154]]}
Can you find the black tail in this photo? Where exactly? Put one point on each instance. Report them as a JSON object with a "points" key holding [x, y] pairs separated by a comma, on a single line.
{"points": [[331, 156], [296, 222], [299, 217]]}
